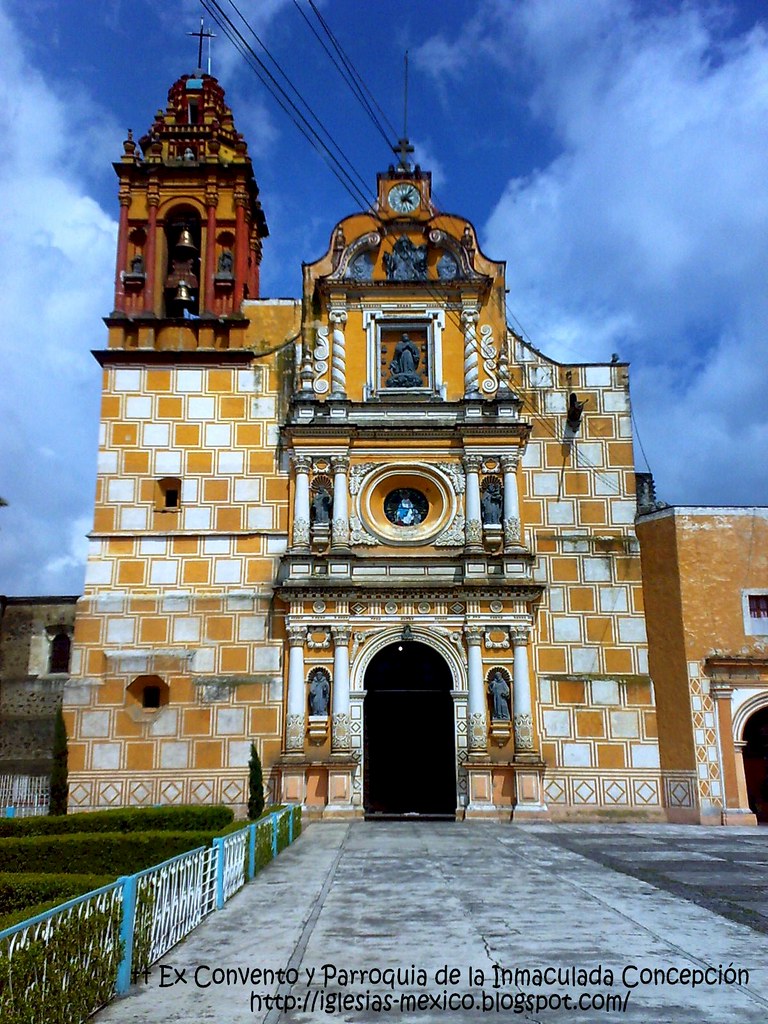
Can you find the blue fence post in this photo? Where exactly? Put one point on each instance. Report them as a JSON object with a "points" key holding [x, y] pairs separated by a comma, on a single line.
{"points": [[10, 812], [251, 850], [218, 843], [127, 923], [290, 825], [275, 817]]}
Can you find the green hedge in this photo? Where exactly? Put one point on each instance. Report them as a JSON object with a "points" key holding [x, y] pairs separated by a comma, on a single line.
{"points": [[100, 853], [19, 916], [64, 977], [123, 819], [24, 889]]}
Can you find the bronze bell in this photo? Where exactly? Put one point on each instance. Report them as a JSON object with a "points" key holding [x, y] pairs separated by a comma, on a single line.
{"points": [[183, 295], [186, 241]]}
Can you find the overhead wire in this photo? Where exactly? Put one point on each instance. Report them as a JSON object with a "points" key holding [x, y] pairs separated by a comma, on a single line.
{"points": [[352, 182], [352, 75], [355, 188]]}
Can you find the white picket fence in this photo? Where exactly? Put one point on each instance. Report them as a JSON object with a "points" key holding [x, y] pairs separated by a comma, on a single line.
{"points": [[28, 795]]}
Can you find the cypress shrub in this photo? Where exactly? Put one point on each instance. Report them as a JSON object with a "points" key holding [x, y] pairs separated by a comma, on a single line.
{"points": [[255, 785], [59, 785]]}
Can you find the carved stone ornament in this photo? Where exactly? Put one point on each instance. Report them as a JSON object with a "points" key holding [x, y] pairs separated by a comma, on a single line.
{"points": [[488, 354], [504, 644], [340, 532], [297, 636], [474, 531], [357, 473], [319, 645], [301, 533], [341, 635], [358, 534], [511, 531], [358, 639], [474, 635], [294, 732], [357, 261], [341, 737], [523, 732], [454, 473], [453, 535], [477, 731], [320, 356]]}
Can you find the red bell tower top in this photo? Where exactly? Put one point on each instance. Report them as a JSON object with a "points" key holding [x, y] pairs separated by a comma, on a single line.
{"points": [[191, 224]]}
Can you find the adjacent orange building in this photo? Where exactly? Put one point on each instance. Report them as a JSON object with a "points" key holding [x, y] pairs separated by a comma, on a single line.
{"points": [[705, 578]]}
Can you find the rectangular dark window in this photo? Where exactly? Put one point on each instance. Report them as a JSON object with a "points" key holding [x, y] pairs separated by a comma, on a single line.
{"points": [[172, 498], [758, 606]]}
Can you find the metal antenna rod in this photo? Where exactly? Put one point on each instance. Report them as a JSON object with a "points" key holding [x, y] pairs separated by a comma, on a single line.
{"points": [[405, 99]]}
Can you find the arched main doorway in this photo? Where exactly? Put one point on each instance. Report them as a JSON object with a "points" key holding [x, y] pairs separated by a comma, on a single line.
{"points": [[756, 763], [409, 744]]}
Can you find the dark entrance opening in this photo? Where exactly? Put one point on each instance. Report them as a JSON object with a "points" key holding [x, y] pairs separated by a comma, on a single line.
{"points": [[756, 763], [410, 758]]}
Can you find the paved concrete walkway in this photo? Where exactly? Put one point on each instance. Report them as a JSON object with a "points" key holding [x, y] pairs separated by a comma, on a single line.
{"points": [[472, 898]]}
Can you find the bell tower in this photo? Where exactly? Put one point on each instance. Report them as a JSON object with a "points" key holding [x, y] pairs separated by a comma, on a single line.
{"points": [[191, 224]]}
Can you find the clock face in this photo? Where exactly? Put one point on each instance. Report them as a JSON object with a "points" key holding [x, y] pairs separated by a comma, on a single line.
{"points": [[404, 198]]}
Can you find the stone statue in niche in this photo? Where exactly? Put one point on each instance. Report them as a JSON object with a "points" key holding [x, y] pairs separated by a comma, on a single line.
{"points": [[491, 504], [137, 264], [498, 689], [321, 507], [225, 265], [406, 262], [319, 694], [404, 368]]}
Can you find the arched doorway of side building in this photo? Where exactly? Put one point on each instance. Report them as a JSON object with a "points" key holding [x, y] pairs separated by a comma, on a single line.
{"points": [[756, 763], [409, 744]]}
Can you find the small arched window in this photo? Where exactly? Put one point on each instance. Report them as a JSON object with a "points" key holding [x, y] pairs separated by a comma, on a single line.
{"points": [[61, 647]]}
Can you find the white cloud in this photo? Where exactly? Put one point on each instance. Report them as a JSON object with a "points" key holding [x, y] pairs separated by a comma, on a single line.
{"points": [[648, 233], [56, 259]]}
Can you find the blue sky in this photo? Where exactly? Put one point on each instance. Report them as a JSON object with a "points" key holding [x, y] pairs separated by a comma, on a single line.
{"points": [[613, 152]]}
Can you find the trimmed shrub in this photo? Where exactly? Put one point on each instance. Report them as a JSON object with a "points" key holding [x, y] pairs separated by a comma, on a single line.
{"points": [[255, 785], [19, 916], [101, 853], [123, 819], [23, 889]]}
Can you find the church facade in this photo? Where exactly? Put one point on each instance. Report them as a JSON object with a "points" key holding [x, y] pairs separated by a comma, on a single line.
{"points": [[371, 531]]}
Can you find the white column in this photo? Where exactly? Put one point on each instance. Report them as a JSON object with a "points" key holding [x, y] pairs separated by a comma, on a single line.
{"points": [[474, 527], [302, 464], [469, 317], [340, 524], [340, 734], [478, 734], [522, 720], [511, 518], [295, 712], [338, 318]]}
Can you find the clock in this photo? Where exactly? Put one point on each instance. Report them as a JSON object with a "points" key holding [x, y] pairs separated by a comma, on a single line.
{"points": [[404, 198]]}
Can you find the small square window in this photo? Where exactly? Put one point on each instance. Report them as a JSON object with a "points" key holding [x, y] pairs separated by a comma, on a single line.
{"points": [[755, 611]]}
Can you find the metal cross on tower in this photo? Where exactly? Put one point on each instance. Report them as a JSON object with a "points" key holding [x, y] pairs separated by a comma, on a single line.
{"points": [[201, 35]]}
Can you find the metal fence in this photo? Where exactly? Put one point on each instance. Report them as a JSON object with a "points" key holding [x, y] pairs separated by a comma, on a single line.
{"points": [[23, 796], [66, 963]]}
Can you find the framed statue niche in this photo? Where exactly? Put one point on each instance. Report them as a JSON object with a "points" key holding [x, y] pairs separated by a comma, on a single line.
{"points": [[405, 358]]}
